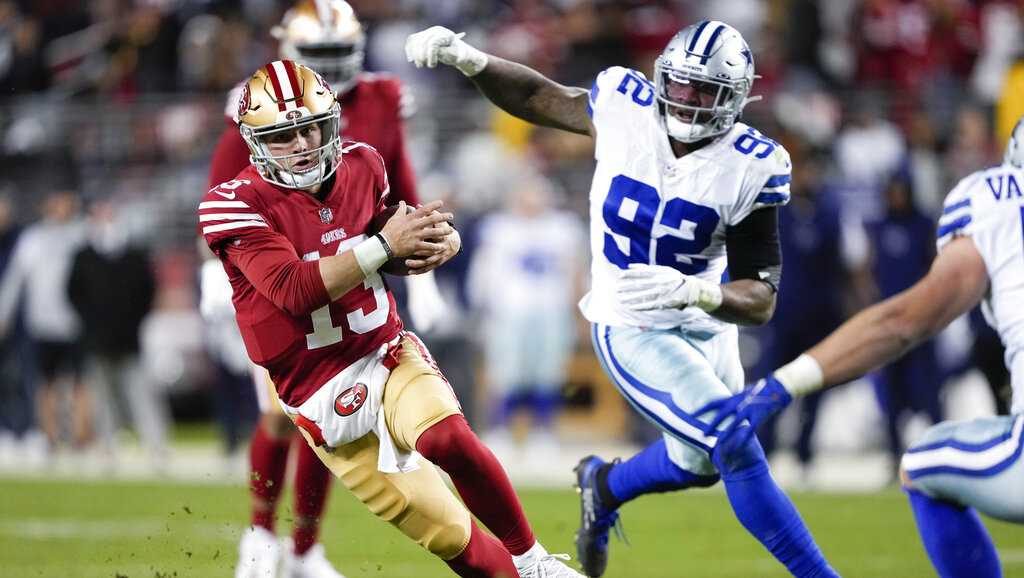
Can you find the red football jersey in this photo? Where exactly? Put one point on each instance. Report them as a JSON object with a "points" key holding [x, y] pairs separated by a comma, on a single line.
{"points": [[372, 112], [269, 239]]}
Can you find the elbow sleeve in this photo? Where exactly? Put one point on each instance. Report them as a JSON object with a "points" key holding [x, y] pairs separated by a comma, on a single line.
{"points": [[753, 248]]}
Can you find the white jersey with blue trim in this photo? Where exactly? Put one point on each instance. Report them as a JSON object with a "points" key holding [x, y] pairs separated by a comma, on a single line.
{"points": [[647, 206], [988, 207]]}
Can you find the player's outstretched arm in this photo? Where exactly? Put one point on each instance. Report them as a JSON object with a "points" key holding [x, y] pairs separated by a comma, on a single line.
{"points": [[874, 337], [956, 282], [516, 89]]}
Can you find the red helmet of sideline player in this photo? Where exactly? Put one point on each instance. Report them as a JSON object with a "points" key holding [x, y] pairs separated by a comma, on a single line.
{"points": [[326, 36], [280, 101]]}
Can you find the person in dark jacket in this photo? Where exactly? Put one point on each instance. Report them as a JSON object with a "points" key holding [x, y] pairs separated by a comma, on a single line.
{"points": [[112, 286], [903, 243]]}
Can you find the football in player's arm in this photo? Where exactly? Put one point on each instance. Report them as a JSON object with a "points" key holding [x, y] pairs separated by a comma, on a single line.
{"points": [[327, 36], [293, 232]]}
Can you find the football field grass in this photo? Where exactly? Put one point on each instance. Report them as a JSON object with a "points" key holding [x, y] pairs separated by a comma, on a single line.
{"points": [[133, 530]]}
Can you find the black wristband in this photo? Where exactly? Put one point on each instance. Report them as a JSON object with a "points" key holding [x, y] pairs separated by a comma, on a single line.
{"points": [[387, 248]]}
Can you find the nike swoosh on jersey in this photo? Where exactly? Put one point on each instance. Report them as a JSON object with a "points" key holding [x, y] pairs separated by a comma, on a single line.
{"points": [[226, 195]]}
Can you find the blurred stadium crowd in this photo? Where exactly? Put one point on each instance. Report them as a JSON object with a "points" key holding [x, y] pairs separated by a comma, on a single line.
{"points": [[109, 111]]}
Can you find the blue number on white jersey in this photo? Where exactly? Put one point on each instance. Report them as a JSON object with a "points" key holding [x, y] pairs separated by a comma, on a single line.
{"points": [[643, 89], [753, 140], [629, 211]]}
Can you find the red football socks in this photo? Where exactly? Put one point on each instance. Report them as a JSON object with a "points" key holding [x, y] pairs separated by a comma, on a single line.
{"points": [[480, 480], [268, 458], [484, 557], [312, 482]]}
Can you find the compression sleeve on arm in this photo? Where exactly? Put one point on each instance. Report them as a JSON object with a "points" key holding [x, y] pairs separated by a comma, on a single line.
{"points": [[753, 248]]}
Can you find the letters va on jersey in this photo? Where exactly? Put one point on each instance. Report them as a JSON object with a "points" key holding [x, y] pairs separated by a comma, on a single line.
{"points": [[988, 207], [647, 206]]}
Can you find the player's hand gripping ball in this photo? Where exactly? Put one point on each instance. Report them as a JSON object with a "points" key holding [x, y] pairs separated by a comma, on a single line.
{"points": [[398, 265]]}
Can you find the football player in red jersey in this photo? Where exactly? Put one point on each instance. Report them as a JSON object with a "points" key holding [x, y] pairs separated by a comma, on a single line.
{"points": [[326, 36], [294, 233]]}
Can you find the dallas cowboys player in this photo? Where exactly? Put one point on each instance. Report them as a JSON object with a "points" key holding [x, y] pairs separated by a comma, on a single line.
{"points": [[680, 191], [957, 467]]}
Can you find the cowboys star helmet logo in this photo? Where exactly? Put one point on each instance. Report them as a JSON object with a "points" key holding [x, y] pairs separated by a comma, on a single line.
{"points": [[326, 215], [350, 400]]}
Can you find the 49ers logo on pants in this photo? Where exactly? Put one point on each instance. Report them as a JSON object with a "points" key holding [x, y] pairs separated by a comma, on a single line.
{"points": [[350, 400]]}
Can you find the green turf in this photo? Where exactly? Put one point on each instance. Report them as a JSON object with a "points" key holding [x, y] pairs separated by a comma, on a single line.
{"points": [[67, 530]]}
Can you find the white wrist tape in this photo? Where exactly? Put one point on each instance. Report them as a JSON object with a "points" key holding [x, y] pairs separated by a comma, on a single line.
{"points": [[801, 376], [371, 255], [709, 295]]}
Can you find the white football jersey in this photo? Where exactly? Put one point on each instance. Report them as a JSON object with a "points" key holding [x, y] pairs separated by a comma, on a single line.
{"points": [[988, 207], [526, 264], [647, 206]]}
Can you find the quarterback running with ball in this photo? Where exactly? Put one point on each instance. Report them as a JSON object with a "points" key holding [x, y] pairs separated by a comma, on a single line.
{"points": [[325, 35], [296, 232]]}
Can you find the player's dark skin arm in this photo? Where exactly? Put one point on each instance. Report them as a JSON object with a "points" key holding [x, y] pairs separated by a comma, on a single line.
{"points": [[755, 264], [527, 94], [746, 302]]}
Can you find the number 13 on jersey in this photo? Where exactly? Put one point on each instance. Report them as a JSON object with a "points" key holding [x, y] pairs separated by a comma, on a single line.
{"points": [[630, 210], [325, 332]]}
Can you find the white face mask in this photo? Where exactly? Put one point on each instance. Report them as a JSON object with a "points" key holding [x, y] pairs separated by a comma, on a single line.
{"points": [[685, 131]]}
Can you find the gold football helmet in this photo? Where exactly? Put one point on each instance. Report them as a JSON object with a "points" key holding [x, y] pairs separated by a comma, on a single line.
{"points": [[285, 96], [326, 36]]}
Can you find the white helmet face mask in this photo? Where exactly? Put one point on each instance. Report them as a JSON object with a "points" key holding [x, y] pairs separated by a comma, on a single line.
{"points": [[702, 81], [274, 169], [338, 62], [1014, 154]]}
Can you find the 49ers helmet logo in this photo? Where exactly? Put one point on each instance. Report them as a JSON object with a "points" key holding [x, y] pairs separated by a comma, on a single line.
{"points": [[243, 101], [350, 400]]}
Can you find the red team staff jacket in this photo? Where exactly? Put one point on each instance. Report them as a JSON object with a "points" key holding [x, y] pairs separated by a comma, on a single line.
{"points": [[372, 111], [269, 239]]}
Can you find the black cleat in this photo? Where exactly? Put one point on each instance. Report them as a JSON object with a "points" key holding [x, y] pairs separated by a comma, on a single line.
{"points": [[595, 519]]}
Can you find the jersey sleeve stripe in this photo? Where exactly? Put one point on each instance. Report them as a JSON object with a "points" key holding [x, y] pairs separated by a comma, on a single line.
{"points": [[592, 98], [229, 226], [771, 198], [956, 206], [953, 226], [777, 181], [954, 216], [230, 217], [223, 205]]}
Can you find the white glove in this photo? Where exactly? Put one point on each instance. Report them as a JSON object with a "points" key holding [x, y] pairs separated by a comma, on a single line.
{"points": [[438, 44], [426, 306], [647, 287]]}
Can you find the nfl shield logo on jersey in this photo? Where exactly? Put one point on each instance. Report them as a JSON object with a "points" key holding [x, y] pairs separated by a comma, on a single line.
{"points": [[326, 215], [350, 400]]}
